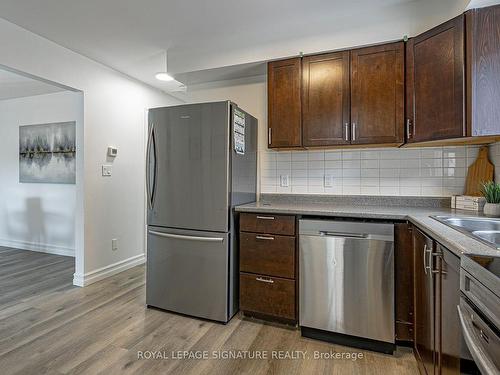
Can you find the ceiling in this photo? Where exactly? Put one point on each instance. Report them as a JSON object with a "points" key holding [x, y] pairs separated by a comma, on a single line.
{"points": [[203, 37], [13, 85]]}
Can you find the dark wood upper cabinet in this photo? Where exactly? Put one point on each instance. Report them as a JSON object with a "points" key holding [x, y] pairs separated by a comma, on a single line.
{"points": [[483, 71], [325, 99], [435, 83], [377, 94], [284, 103]]}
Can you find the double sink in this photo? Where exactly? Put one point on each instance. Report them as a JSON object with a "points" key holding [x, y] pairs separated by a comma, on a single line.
{"points": [[484, 229]]}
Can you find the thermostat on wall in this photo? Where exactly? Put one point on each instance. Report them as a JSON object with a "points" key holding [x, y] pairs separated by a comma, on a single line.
{"points": [[112, 151]]}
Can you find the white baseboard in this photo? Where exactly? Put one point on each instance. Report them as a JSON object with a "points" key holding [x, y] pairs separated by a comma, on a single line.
{"points": [[104, 272], [42, 248]]}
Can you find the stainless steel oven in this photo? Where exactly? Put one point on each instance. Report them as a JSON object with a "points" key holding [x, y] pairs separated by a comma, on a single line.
{"points": [[479, 310]]}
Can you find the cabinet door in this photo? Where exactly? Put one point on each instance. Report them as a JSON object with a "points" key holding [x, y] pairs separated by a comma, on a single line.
{"points": [[483, 71], [436, 88], [448, 337], [423, 248], [325, 100], [377, 94], [284, 103], [403, 244]]}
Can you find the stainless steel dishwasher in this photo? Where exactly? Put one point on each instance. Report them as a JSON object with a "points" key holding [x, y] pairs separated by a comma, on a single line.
{"points": [[346, 283]]}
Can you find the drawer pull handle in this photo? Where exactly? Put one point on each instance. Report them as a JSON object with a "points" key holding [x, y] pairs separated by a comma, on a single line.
{"points": [[261, 279], [265, 217], [264, 238]]}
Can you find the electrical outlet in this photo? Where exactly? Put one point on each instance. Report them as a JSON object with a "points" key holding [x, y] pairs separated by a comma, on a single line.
{"points": [[107, 170], [328, 180], [284, 180], [114, 244]]}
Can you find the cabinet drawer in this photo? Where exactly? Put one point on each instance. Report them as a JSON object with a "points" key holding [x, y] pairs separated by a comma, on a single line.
{"points": [[267, 295], [268, 223], [267, 254]]}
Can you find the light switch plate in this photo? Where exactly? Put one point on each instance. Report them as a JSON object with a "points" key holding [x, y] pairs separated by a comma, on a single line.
{"points": [[112, 151], [284, 180], [107, 170], [328, 180]]}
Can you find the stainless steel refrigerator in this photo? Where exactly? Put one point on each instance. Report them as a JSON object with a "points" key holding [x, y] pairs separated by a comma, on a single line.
{"points": [[201, 163]]}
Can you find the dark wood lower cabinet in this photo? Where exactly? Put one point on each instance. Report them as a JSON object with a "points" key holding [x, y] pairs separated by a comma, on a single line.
{"points": [[424, 303], [268, 267], [437, 294], [403, 244], [272, 296], [448, 297], [267, 254]]}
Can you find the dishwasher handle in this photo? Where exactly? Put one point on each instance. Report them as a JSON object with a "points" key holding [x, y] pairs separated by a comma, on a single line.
{"points": [[342, 234]]}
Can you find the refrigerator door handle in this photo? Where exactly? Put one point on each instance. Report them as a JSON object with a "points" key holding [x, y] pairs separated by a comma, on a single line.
{"points": [[187, 238], [153, 192], [148, 177]]}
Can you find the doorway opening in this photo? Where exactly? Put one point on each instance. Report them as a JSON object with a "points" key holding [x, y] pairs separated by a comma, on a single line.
{"points": [[41, 200]]}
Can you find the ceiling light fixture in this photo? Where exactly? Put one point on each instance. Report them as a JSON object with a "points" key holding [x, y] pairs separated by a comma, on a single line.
{"points": [[164, 76]]}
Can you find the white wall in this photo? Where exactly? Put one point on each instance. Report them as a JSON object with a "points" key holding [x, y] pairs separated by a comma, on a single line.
{"points": [[114, 114], [387, 22], [36, 216]]}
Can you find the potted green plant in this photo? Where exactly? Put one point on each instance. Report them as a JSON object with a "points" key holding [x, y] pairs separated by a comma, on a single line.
{"points": [[491, 192]]}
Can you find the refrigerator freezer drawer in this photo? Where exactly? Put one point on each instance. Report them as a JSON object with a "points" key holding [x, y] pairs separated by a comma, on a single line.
{"points": [[187, 272]]}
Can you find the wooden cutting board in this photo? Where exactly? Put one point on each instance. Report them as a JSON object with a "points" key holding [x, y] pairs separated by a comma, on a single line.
{"points": [[480, 171]]}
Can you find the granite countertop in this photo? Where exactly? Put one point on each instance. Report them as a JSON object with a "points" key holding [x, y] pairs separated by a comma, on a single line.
{"points": [[418, 213]]}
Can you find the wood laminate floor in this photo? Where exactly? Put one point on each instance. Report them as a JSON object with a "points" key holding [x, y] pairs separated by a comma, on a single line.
{"points": [[47, 326]]}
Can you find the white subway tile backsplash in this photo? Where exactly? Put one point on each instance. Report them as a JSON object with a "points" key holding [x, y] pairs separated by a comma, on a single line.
{"points": [[431, 163], [351, 190], [437, 171], [330, 164], [370, 181], [351, 155], [333, 172], [389, 190], [432, 191], [335, 190], [389, 154], [410, 191], [351, 181], [333, 155], [389, 173], [283, 156], [370, 163], [316, 164], [299, 165], [426, 153], [299, 173], [389, 163], [299, 156], [316, 155], [370, 172], [370, 155], [351, 172], [370, 190], [349, 164], [454, 152], [316, 173], [300, 189]]}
